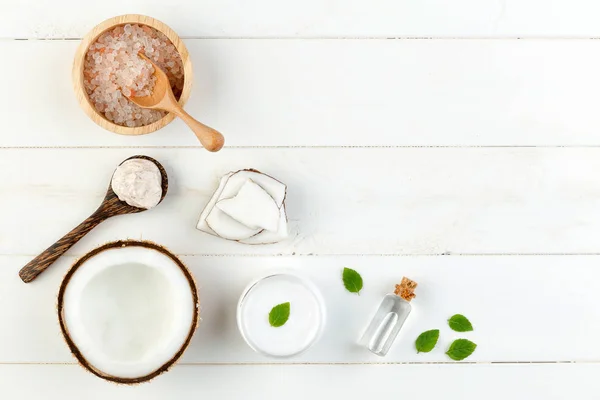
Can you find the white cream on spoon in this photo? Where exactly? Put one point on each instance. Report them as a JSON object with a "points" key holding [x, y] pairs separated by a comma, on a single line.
{"points": [[138, 182]]}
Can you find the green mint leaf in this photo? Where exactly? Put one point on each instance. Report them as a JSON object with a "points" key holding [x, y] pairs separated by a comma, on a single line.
{"points": [[352, 280], [279, 315], [461, 349], [460, 323], [427, 341]]}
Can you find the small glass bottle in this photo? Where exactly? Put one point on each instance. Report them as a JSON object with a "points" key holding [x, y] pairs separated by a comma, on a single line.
{"points": [[390, 317]]}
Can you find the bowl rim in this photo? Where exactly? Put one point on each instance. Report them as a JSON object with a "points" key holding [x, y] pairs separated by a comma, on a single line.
{"points": [[115, 246], [309, 284], [78, 64]]}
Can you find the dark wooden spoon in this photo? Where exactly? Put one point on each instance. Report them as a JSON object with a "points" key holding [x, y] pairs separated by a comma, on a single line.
{"points": [[110, 207]]}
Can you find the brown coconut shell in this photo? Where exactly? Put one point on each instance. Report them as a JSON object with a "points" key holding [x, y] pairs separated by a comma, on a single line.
{"points": [[73, 347], [282, 204]]}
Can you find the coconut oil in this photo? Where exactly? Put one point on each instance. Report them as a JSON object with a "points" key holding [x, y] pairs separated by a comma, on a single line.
{"points": [[389, 318], [306, 319]]}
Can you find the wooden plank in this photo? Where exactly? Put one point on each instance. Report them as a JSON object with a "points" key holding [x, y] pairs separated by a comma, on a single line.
{"points": [[340, 201], [336, 93], [492, 382], [524, 308], [314, 18]]}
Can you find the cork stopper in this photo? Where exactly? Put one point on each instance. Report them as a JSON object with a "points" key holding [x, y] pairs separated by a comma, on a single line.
{"points": [[406, 289]]}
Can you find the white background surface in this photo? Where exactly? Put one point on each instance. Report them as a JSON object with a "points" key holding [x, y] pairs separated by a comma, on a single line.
{"points": [[456, 143]]}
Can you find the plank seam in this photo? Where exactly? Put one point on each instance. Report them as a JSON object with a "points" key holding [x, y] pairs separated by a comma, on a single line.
{"points": [[332, 147], [366, 38], [341, 363], [444, 254]]}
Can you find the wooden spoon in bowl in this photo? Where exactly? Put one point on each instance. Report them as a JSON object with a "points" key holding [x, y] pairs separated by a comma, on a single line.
{"points": [[110, 207], [162, 98]]}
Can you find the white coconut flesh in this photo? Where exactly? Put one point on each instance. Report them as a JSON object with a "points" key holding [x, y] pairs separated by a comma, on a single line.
{"points": [[128, 311], [247, 196], [202, 225], [271, 185], [228, 228], [253, 207], [268, 237]]}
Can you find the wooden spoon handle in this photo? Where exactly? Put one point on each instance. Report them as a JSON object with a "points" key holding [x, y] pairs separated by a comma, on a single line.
{"points": [[52, 253], [211, 139]]}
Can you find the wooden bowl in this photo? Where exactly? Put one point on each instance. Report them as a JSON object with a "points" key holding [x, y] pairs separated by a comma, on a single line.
{"points": [[91, 37]]}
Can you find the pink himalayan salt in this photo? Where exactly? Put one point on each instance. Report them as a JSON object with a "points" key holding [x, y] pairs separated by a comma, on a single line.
{"points": [[113, 70]]}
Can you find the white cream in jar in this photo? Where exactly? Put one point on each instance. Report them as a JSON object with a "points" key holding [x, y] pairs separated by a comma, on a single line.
{"points": [[301, 330]]}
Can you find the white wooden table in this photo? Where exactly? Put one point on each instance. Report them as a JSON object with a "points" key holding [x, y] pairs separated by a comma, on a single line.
{"points": [[417, 138]]}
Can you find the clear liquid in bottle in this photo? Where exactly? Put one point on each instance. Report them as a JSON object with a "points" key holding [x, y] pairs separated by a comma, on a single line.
{"points": [[389, 318]]}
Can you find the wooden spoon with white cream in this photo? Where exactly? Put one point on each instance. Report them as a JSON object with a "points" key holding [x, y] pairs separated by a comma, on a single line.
{"points": [[111, 206]]}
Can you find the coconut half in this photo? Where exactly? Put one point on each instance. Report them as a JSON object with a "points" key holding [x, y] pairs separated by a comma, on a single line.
{"points": [[128, 310]]}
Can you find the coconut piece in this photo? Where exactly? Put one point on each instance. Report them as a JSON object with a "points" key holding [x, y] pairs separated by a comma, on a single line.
{"points": [[253, 207], [128, 310], [202, 225], [228, 228], [272, 186], [268, 237]]}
